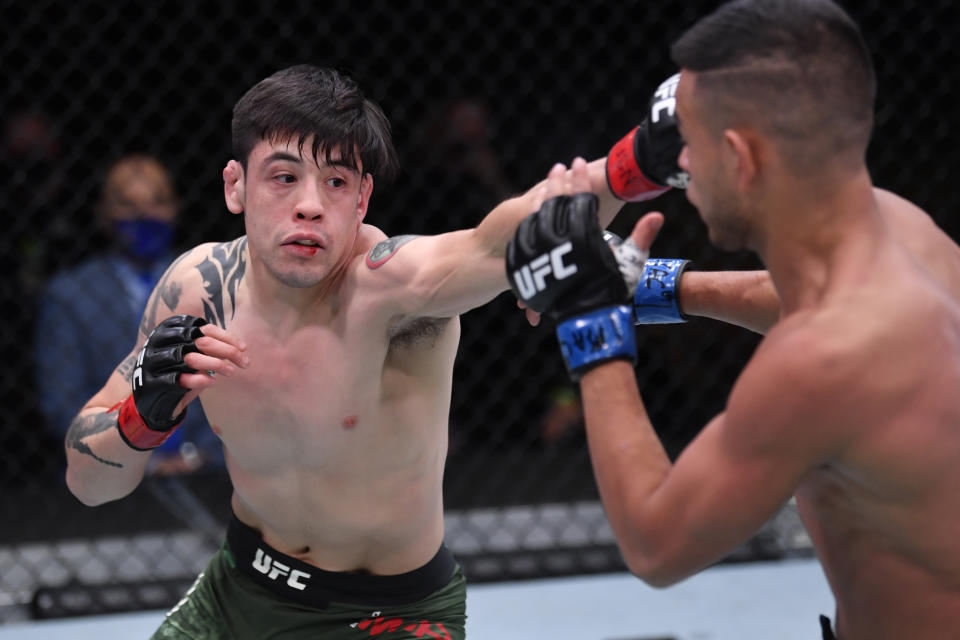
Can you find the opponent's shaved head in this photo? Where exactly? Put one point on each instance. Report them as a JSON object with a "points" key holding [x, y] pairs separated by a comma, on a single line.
{"points": [[798, 70]]}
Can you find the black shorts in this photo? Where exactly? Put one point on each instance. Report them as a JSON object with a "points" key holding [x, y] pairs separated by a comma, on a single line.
{"points": [[826, 629]]}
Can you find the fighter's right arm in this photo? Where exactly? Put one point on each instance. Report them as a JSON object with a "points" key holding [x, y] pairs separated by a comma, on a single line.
{"points": [[744, 298], [106, 462], [669, 290]]}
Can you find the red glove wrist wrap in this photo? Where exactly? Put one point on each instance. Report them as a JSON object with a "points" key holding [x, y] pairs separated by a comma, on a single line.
{"points": [[624, 177], [135, 431]]}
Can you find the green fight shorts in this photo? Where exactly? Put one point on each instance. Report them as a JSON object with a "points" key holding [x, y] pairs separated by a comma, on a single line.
{"points": [[250, 590]]}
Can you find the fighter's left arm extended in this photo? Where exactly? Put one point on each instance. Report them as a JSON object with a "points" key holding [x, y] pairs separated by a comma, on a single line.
{"points": [[448, 274]]}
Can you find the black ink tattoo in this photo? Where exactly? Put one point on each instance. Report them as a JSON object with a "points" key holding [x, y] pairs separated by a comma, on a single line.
{"points": [[168, 290], [125, 368], [222, 270], [84, 426], [385, 250]]}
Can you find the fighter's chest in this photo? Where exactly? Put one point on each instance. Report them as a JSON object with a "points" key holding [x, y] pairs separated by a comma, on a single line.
{"points": [[298, 382]]}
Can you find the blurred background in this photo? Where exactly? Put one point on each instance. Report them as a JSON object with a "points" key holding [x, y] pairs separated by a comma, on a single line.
{"points": [[115, 128]]}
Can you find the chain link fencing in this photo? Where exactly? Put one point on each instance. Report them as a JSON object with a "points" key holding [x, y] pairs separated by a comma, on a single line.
{"points": [[483, 97]]}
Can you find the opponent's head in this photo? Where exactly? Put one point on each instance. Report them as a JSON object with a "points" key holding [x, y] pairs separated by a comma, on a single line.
{"points": [[307, 145], [138, 206], [769, 86]]}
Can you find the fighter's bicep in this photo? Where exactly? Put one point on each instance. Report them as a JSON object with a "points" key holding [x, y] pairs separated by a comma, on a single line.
{"points": [[440, 275]]}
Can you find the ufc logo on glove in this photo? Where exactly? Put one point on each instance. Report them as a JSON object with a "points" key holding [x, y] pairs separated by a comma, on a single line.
{"points": [[531, 278]]}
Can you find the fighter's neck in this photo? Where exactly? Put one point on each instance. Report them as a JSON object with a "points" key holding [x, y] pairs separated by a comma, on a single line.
{"points": [[814, 241], [288, 308]]}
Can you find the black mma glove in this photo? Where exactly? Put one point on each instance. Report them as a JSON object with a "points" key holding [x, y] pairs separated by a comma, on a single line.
{"points": [[643, 164], [559, 264], [146, 417]]}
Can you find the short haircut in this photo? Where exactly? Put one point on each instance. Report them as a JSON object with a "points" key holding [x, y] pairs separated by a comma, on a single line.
{"points": [[799, 70], [304, 101]]}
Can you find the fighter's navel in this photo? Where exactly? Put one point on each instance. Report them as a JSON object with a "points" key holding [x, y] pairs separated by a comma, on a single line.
{"points": [[350, 422]]}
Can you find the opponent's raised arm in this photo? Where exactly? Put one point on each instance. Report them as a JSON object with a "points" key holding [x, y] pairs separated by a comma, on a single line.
{"points": [[671, 290], [669, 520], [177, 356]]}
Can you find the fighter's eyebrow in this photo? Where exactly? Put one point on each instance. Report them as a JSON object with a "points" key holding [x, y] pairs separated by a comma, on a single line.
{"points": [[282, 155]]}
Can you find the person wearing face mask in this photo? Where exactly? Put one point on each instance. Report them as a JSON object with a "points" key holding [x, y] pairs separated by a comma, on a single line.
{"points": [[85, 309]]}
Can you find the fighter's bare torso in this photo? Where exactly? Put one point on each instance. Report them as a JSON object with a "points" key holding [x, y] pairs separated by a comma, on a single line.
{"points": [[883, 510], [336, 435]]}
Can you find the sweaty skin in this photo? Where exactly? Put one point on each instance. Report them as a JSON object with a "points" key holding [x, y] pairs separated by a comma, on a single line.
{"points": [[333, 351]]}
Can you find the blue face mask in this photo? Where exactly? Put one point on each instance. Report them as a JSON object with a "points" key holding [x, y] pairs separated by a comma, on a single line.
{"points": [[144, 238]]}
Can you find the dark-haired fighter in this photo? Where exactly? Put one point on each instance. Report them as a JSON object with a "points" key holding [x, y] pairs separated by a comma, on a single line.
{"points": [[850, 402], [323, 354]]}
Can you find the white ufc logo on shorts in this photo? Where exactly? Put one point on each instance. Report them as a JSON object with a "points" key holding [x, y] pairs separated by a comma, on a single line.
{"points": [[273, 569], [530, 278]]}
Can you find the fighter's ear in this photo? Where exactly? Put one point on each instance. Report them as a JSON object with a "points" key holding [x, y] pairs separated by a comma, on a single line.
{"points": [[744, 154], [363, 198], [233, 186]]}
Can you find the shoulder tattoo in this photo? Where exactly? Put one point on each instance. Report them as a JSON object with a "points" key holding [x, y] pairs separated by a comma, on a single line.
{"points": [[222, 272], [383, 251], [84, 426], [168, 290]]}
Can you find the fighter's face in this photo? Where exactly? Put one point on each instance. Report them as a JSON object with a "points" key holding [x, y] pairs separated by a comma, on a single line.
{"points": [[302, 214], [712, 178]]}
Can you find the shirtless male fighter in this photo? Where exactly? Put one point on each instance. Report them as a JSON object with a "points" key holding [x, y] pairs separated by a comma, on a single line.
{"points": [[322, 352], [849, 403]]}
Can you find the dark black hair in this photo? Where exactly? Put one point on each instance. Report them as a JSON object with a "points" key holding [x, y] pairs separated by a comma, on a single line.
{"points": [[304, 101], [798, 68]]}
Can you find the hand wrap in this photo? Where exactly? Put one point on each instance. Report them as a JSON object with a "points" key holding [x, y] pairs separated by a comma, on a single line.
{"points": [[655, 298]]}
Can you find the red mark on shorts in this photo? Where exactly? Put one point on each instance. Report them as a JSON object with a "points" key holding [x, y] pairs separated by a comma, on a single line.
{"points": [[350, 422], [421, 629]]}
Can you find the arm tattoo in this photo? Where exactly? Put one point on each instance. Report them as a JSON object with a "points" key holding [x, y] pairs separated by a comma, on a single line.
{"points": [[125, 368], [85, 426], [222, 270], [385, 250], [168, 290]]}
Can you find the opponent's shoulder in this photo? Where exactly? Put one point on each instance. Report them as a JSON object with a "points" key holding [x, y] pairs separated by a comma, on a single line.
{"points": [[805, 373], [202, 282]]}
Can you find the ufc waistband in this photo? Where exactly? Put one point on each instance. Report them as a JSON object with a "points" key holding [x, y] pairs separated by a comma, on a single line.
{"points": [[306, 584]]}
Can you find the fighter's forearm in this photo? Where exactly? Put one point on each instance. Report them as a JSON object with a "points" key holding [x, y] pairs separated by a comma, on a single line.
{"points": [[744, 298], [609, 205], [629, 464], [100, 466]]}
